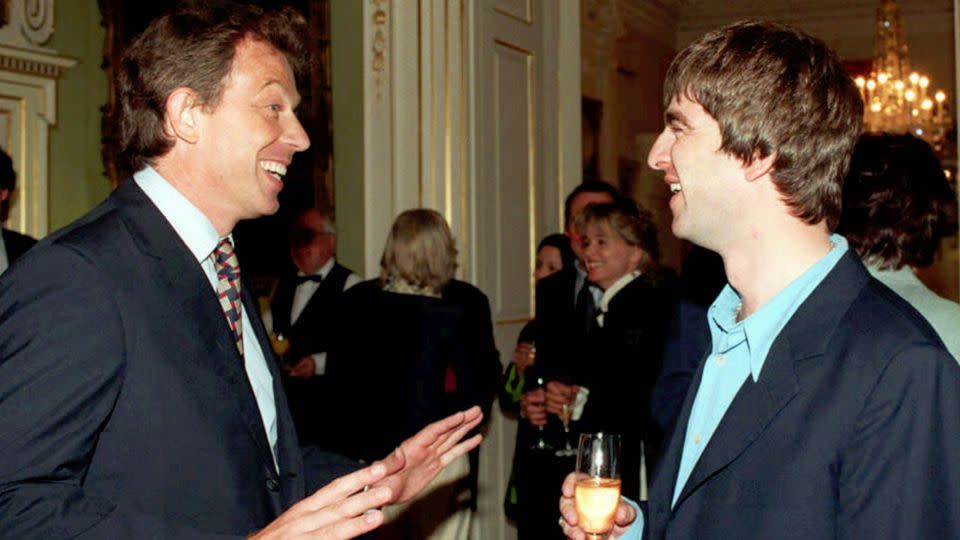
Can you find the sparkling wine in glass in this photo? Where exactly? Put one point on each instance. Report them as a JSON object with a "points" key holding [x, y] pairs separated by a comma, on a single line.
{"points": [[566, 412], [598, 483], [539, 443], [280, 344]]}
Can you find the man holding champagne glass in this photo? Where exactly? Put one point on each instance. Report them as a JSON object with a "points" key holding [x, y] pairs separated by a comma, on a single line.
{"points": [[827, 407]]}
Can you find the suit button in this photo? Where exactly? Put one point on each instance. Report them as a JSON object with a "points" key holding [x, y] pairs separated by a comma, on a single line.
{"points": [[272, 484]]}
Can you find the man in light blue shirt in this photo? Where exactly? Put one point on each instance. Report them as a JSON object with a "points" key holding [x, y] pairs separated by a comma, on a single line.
{"points": [[827, 407]]}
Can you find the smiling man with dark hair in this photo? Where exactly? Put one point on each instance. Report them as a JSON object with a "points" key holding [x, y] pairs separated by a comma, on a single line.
{"points": [[138, 394]]}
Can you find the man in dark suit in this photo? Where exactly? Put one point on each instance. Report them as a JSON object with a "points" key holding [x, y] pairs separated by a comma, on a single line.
{"points": [[12, 243], [138, 394], [826, 407], [303, 311]]}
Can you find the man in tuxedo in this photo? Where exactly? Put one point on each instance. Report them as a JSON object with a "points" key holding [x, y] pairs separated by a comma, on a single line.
{"points": [[12, 243], [138, 394], [303, 311], [826, 406]]}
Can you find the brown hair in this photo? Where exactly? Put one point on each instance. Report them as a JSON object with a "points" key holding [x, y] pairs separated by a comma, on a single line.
{"points": [[897, 202], [419, 250], [192, 47], [631, 222], [777, 91]]}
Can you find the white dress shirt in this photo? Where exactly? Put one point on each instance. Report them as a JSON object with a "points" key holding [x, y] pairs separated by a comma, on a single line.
{"points": [[201, 238], [302, 296]]}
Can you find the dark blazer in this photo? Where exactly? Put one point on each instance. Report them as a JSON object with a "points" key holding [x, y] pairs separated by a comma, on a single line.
{"points": [[125, 410], [851, 431], [560, 336], [309, 335], [16, 244], [395, 349], [623, 358]]}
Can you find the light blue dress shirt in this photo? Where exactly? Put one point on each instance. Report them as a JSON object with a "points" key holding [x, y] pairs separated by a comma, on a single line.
{"points": [[201, 238], [738, 351]]}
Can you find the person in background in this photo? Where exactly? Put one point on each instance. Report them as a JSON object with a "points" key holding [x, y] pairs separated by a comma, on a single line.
{"points": [[565, 306], [408, 349], [303, 310], [553, 255], [897, 206], [827, 407], [625, 343], [139, 397], [12, 243]]}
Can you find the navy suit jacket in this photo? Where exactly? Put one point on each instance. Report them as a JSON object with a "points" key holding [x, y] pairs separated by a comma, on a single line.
{"points": [[851, 431], [125, 410]]}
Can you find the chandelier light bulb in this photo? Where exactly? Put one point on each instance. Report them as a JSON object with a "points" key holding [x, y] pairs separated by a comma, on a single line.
{"points": [[871, 85], [940, 96], [882, 78], [914, 78], [927, 104], [924, 82], [910, 95], [860, 82]]}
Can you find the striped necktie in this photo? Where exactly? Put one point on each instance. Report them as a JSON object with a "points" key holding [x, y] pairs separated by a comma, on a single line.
{"points": [[228, 287]]}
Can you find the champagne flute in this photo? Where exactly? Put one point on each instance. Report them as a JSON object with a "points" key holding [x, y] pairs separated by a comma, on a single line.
{"points": [[566, 412], [540, 443], [280, 344], [597, 491]]}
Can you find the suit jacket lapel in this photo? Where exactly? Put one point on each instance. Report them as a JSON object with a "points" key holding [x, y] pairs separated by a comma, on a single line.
{"points": [[184, 281], [757, 404], [665, 477]]}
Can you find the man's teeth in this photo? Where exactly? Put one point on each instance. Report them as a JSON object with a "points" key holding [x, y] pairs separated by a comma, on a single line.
{"points": [[278, 170], [675, 188]]}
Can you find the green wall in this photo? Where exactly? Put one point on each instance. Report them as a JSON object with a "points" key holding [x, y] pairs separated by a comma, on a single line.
{"points": [[76, 177], [346, 66]]}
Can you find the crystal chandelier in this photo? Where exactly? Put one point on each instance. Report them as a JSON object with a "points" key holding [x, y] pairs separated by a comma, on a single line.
{"points": [[896, 98]]}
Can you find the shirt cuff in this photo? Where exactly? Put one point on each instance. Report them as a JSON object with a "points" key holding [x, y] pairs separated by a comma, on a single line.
{"points": [[319, 363], [579, 401]]}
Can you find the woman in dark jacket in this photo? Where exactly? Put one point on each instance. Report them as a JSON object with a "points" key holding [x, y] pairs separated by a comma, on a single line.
{"points": [[419, 345]]}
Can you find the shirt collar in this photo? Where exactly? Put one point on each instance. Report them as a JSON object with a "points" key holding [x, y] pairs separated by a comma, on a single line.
{"points": [[617, 286], [323, 271], [193, 227], [762, 327]]}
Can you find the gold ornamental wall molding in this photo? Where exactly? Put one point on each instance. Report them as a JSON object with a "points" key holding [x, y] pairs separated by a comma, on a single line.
{"points": [[378, 46], [32, 63]]}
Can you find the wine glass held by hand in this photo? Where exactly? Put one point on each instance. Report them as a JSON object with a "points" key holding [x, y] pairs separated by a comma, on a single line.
{"points": [[590, 504]]}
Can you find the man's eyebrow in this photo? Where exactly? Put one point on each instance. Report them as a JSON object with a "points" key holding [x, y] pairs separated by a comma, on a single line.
{"points": [[673, 118]]}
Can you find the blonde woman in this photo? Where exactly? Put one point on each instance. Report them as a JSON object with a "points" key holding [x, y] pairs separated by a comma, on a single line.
{"points": [[419, 343], [623, 351]]}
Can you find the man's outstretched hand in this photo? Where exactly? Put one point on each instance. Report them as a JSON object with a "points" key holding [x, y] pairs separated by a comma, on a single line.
{"points": [[430, 450], [349, 506]]}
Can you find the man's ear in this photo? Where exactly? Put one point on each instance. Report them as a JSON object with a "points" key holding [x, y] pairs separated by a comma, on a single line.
{"points": [[182, 111], [759, 167]]}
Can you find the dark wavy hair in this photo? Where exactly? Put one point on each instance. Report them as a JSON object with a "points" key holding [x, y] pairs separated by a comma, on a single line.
{"points": [[562, 243], [777, 91], [587, 186], [192, 47], [897, 202]]}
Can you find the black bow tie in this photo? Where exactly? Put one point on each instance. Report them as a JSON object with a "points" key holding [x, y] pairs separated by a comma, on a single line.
{"points": [[315, 278]]}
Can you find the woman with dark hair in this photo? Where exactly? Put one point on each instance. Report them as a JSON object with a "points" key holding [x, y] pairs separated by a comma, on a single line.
{"points": [[418, 343], [897, 206], [554, 254]]}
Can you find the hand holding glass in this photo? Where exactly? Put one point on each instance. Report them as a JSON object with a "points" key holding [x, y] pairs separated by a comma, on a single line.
{"points": [[566, 413], [597, 492]]}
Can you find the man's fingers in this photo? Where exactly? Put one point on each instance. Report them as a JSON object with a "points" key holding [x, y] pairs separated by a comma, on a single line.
{"points": [[448, 456], [453, 438], [350, 528], [342, 487], [625, 515]]}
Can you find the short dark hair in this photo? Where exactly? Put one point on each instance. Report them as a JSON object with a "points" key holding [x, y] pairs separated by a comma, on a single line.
{"points": [[588, 186], [8, 181], [562, 243], [777, 91], [192, 47], [897, 202], [630, 221]]}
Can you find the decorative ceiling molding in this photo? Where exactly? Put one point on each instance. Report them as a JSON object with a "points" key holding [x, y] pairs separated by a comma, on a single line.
{"points": [[33, 63]]}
